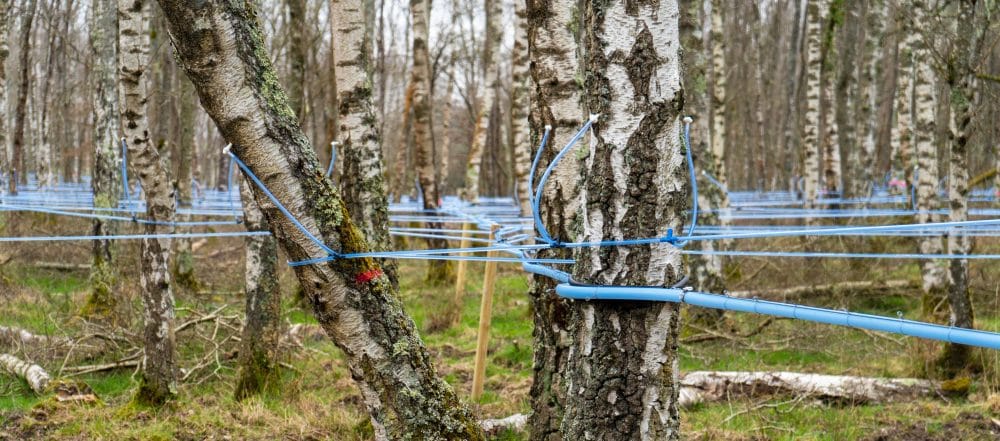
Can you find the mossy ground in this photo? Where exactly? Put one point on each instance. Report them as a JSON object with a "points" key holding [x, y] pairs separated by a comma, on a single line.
{"points": [[318, 400]]}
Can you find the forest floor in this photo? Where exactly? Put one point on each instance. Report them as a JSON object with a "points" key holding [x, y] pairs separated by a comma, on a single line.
{"points": [[317, 398]]}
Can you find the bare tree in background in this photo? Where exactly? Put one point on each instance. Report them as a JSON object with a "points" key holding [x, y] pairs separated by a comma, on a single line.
{"points": [[520, 107], [477, 150], [16, 171], [4, 52], [815, 15]]}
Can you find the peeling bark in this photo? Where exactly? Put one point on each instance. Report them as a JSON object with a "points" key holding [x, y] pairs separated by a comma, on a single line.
{"points": [[159, 368], [221, 48], [621, 371]]}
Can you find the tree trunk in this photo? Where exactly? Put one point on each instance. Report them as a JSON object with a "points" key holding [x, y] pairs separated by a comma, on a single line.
{"points": [[4, 52], [221, 48], [491, 47], [158, 373], [183, 267], [718, 101], [438, 271], [520, 107], [555, 100], [702, 386], [623, 354], [902, 137], [33, 374], [258, 362], [815, 16], [444, 152], [298, 53], [830, 100], [399, 173], [707, 269], [105, 179], [935, 274], [871, 59], [16, 171], [358, 137]]}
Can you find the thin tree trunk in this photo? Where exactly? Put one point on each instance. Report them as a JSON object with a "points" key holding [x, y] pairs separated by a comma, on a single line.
{"points": [[106, 178], [359, 140], [183, 267], [830, 100], [555, 99], [4, 52], [718, 100], [935, 274], [871, 60], [158, 372], [16, 171], [221, 48], [258, 361], [815, 12], [444, 153], [494, 15], [297, 55], [520, 107], [624, 354], [399, 182], [902, 137]]}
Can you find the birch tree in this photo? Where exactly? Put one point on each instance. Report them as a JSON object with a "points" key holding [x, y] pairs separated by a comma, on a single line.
{"points": [[4, 53], [221, 48], [624, 354], [158, 370], [258, 356], [552, 47], [871, 59], [718, 101], [183, 264], [359, 140], [494, 14], [832, 167], [298, 53], [105, 179], [902, 136], [815, 16], [935, 275]]}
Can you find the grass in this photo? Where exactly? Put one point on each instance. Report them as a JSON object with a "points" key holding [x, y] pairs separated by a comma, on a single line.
{"points": [[318, 399]]}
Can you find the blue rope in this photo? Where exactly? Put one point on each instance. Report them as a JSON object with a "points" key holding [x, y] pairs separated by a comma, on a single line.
{"points": [[281, 207]]}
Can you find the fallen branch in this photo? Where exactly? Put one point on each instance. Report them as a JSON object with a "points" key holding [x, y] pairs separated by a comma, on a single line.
{"points": [[33, 374], [709, 334], [514, 422], [62, 266], [801, 291], [704, 386], [22, 337]]}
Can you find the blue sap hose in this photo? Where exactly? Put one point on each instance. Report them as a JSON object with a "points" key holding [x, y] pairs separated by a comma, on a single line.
{"points": [[333, 158], [128, 196], [545, 177]]}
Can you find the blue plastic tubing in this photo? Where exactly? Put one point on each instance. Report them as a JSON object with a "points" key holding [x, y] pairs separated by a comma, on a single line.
{"points": [[911, 328]]}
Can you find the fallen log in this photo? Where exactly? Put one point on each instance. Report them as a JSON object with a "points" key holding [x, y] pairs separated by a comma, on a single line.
{"points": [[22, 337], [706, 386], [514, 422], [802, 291], [33, 374]]}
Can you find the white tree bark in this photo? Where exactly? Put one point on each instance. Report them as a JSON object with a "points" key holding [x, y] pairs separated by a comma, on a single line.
{"points": [[159, 366], [716, 37], [902, 136], [832, 166], [871, 60], [621, 373], [935, 274], [491, 86], [815, 16], [36, 377], [705, 386], [4, 52]]}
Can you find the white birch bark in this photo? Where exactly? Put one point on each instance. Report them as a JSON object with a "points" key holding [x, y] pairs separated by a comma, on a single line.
{"points": [[815, 16], [871, 60], [520, 106], [491, 85], [718, 92], [832, 166], [4, 53], [902, 136], [706, 386], [621, 373], [33, 374], [159, 366]]}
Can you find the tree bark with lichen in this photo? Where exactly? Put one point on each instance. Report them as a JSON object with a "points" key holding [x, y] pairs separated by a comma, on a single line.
{"points": [[221, 47], [158, 373], [623, 354], [258, 357], [105, 180], [555, 98], [359, 140]]}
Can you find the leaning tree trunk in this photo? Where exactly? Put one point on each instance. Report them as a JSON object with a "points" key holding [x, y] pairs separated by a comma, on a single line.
{"points": [[624, 354], [105, 178], [258, 362], [438, 271], [220, 46], [520, 107], [935, 274], [556, 103], [158, 372], [815, 12], [359, 140], [706, 270], [491, 47], [16, 170]]}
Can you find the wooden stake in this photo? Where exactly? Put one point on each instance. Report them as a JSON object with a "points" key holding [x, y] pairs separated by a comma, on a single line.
{"points": [[485, 315]]}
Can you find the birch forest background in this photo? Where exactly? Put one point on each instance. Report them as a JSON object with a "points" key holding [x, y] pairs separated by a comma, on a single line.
{"points": [[239, 219]]}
